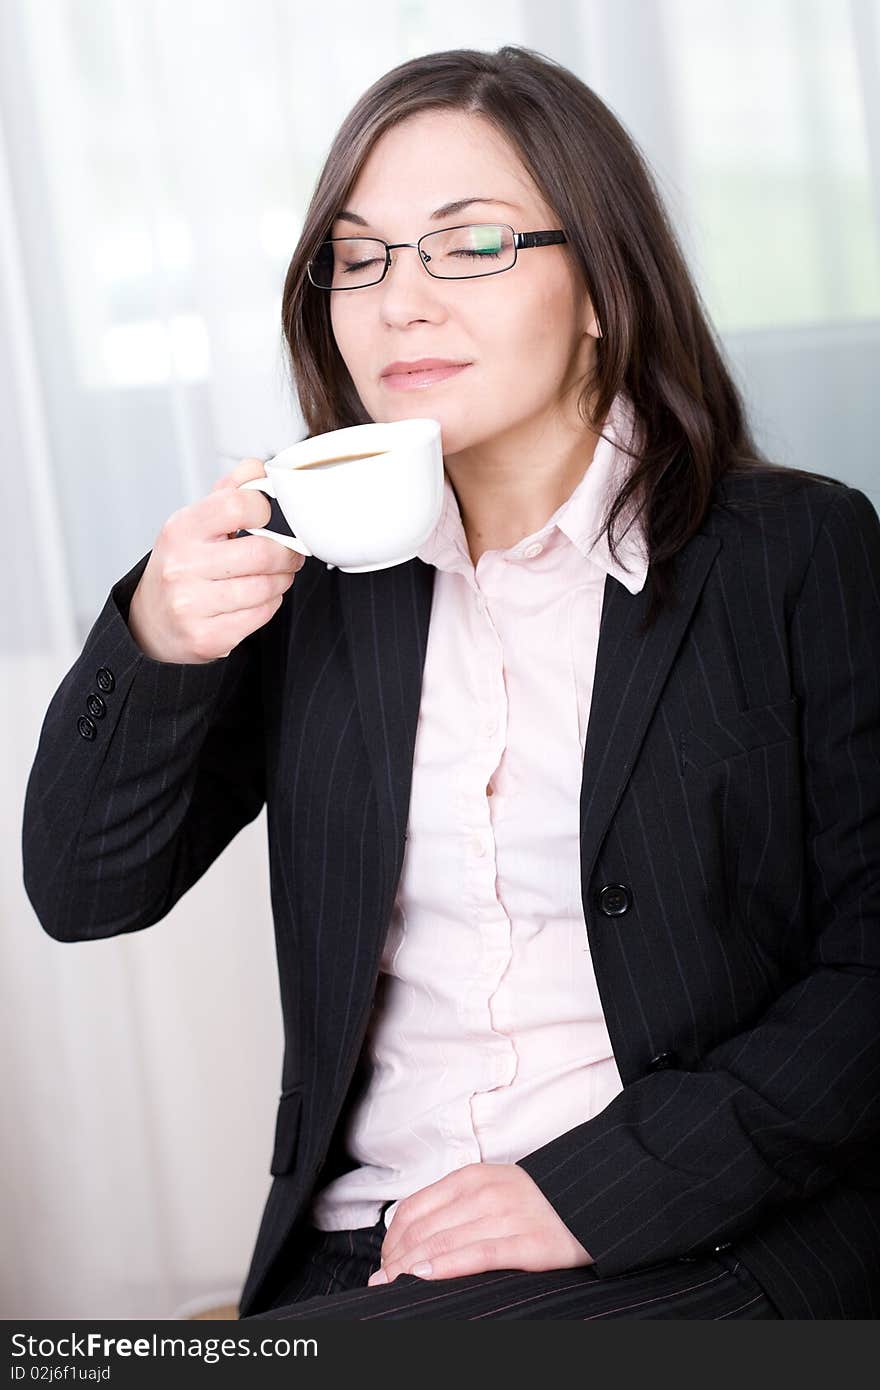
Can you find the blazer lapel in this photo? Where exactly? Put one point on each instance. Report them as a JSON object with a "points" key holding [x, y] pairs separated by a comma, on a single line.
{"points": [[631, 670], [386, 615]]}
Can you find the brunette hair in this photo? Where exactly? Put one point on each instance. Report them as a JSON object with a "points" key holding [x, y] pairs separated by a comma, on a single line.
{"points": [[657, 346]]}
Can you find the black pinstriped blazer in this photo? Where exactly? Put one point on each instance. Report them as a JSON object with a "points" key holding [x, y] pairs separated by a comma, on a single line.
{"points": [[730, 860]]}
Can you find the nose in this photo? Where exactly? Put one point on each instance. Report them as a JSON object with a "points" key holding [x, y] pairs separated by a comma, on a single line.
{"points": [[407, 286]]}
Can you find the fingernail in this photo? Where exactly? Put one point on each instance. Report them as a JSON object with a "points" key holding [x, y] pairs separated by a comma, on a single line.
{"points": [[423, 1271], [380, 1277]]}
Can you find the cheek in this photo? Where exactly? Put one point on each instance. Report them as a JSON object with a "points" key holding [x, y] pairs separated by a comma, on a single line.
{"points": [[554, 313], [354, 329], [343, 323], [534, 326], [528, 342]]}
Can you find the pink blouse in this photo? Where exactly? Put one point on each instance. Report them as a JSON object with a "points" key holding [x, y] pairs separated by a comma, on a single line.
{"points": [[488, 1037]]}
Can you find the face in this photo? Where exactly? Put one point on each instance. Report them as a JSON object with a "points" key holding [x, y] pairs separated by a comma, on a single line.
{"points": [[528, 334]]}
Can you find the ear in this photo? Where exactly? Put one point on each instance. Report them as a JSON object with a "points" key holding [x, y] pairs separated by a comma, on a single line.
{"points": [[593, 326]]}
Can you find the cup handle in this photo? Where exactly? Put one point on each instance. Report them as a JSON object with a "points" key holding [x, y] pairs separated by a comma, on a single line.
{"points": [[264, 485]]}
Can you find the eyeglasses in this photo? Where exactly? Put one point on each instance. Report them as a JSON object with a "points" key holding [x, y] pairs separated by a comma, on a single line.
{"points": [[353, 262]]}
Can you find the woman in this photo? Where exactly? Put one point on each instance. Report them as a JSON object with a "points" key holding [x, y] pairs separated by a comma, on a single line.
{"points": [[573, 827]]}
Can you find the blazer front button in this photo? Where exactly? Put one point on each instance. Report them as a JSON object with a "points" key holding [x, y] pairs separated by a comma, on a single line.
{"points": [[662, 1061], [614, 899], [86, 726]]}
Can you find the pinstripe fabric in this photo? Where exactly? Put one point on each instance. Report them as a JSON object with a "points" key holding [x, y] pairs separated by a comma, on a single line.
{"points": [[730, 843], [331, 1283]]}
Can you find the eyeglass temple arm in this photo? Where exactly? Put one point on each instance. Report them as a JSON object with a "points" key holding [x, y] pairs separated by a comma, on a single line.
{"points": [[523, 240]]}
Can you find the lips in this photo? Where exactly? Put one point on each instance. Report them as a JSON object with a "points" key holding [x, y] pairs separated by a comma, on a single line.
{"points": [[409, 376]]}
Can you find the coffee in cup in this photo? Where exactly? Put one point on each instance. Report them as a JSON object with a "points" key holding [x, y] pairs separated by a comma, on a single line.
{"points": [[343, 458], [361, 498]]}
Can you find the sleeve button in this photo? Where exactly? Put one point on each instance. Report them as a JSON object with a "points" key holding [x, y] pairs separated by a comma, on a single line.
{"points": [[105, 680], [86, 726], [96, 706]]}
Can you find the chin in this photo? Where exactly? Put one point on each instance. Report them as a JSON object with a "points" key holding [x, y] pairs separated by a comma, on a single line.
{"points": [[418, 410]]}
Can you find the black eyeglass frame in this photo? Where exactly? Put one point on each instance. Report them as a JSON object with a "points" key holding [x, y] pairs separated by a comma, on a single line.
{"points": [[522, 241]]}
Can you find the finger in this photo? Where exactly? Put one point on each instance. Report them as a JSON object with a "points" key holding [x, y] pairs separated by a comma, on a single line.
{"points": [[460, 1195], [242, 473], [475, 1257], [234, 490], [252, 591], [228, 510], [433, 1232], [223, 559], [450, 1231]]}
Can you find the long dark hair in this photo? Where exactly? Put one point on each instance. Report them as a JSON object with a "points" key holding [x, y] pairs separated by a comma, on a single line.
{"points": [[657, 344]]}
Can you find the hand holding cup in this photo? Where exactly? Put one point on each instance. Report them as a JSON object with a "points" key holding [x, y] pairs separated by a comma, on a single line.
{"points": [[204, 589]]}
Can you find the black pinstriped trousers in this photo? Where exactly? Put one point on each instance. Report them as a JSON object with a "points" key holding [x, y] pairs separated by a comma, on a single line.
{"points": [[334, 1274]]}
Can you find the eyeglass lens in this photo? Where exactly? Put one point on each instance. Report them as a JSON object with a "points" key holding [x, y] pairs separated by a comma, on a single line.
{"points": [[455, 253]]}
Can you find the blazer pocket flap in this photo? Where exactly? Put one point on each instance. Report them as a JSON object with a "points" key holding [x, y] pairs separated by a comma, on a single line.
{"points": [[287, 1127], [741, 732]]}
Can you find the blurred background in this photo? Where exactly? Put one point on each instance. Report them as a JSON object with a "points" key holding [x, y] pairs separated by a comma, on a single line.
{"points": [[156, 160]]}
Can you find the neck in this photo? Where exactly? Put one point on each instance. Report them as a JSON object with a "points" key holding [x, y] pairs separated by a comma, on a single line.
{"points": [[509, 488]]}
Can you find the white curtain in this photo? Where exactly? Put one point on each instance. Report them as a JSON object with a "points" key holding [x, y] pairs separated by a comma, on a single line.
{"points": [[156, 157]]}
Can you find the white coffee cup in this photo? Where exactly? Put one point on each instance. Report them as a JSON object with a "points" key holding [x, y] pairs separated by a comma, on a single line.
{"points": [[358, 513]]}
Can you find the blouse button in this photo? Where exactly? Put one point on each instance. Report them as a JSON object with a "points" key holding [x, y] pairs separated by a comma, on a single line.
{"points": [[532, 550], [478, 846]]}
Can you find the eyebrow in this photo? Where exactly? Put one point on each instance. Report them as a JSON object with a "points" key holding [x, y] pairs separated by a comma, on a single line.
{"points": [[447, 210]]}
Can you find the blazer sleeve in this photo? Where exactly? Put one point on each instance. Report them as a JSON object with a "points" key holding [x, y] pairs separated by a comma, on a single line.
{"points": [[126, 809], [683, 1159]]}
